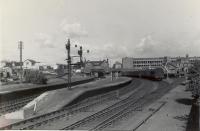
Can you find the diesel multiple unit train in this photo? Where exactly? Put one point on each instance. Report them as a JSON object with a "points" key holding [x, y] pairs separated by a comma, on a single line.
{"points": [[152, 74]]}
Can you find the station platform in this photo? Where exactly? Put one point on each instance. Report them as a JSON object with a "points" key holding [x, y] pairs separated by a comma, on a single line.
{"points": [[4, 89], [57, 99], [17, 91]]}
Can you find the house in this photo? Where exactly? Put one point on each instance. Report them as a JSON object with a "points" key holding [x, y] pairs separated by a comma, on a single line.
{"points": [[46, 68], [97, 68], [30, 64]]}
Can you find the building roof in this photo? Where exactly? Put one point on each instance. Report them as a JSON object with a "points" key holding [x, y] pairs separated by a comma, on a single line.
{"points": [[117, 62], [61, 64], [32, 61], [172, 65], [170, 57], [96, 63]]}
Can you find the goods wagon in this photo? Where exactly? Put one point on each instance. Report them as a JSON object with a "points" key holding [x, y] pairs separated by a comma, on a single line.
{"points": [[153, 74]]}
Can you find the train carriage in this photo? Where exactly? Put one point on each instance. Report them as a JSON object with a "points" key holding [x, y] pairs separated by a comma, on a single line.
{"points": [[153, 74]]}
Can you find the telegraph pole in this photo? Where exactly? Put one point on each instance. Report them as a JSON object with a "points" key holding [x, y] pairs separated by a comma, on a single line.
{"points": [[69, 63], [20, 46]]}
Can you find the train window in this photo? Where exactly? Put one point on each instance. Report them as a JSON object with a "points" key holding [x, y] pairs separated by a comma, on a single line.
{"points": [[152, 72]]}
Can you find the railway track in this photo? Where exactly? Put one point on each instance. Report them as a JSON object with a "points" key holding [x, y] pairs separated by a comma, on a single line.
{"points": [[10, 106], [41, 120], [38, 121], [128, 105], [116, 122], [108, 115], [118, 115]]}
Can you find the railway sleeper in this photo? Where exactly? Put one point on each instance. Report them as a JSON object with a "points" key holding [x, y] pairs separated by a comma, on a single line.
{"points": [[70, 112]]}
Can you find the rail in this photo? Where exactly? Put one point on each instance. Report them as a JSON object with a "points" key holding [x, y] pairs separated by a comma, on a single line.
{"points": [[119, 106], [37, 121], [13, 105]]}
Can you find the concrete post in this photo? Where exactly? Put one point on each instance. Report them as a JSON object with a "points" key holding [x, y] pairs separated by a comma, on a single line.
{"points": [[69, 63], [21, 70], [111, 76]]}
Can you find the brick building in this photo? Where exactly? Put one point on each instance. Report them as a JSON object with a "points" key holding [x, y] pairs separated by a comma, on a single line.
{"points": [[97, 68]]}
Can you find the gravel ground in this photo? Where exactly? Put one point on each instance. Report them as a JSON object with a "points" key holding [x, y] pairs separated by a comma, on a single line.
{"points": [[173, 115]]}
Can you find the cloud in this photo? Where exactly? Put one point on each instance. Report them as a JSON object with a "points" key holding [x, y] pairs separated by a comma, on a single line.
{"points": [[149, 46], [73, 30], [108, 50], [44, 40]]}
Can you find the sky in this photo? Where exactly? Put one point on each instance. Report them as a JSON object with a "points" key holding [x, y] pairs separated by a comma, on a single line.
{"points": [[110, 29]]}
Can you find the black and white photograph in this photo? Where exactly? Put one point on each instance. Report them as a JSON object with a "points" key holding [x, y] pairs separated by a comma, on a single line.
{"points": [[100, 65]]}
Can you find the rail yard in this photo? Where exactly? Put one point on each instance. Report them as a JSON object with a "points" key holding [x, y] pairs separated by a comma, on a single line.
{"points": [[100, 65], [122, 99], [108, 110]]}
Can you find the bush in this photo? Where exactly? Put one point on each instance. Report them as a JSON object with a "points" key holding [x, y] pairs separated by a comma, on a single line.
{"points": [[35, 77]]}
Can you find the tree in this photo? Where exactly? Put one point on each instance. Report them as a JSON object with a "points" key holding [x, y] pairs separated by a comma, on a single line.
{"points": [[34, 76]]}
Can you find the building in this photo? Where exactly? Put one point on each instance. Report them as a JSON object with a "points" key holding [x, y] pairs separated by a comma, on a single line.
{"points": [[6, 72], [10, 69], [5, 63], [30, 64], [141, 63], [97, 68], [172, 65], [117, 65], [170, 69], [61, 69]]}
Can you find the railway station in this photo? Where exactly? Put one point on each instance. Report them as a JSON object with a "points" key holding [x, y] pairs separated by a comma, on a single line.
{"points": [[92, 95], [122, 94], [98, 65]]}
